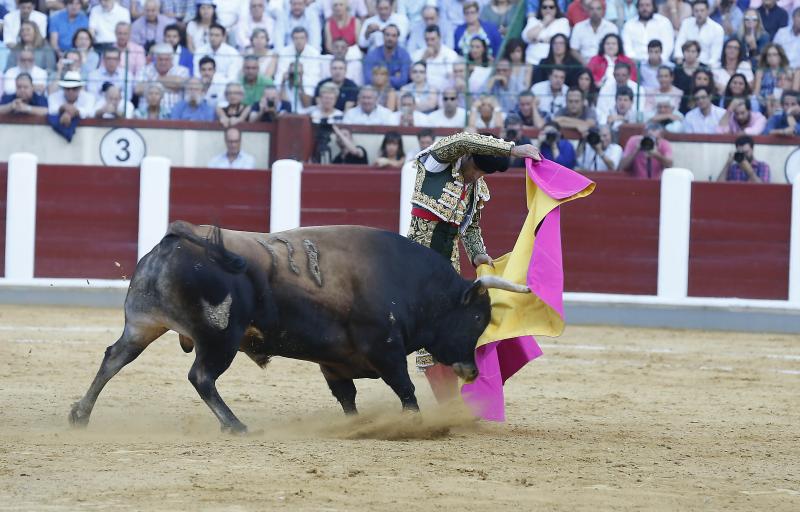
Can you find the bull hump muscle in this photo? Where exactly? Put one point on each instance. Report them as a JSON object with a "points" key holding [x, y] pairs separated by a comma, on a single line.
{"points": [[219, 315]]}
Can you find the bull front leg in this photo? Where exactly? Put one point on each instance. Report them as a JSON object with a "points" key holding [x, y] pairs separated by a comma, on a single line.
{"points": [[397, 378]]}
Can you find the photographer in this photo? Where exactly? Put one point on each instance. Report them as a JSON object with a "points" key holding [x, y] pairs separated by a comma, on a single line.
{"points": [[269, 107], [742, 166], [597, 152], [513, 132], [553, 147], [646, 156]]}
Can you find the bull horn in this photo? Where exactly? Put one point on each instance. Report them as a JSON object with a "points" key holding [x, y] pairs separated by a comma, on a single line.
{"points": [[502, 284]]}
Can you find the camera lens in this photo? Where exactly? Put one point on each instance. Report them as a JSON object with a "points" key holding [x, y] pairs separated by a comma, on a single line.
{"points": [[593, 138], [647, 143], [738, 156]]}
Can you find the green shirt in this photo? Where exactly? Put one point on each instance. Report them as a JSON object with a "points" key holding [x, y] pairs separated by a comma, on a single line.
{"points": [[253, 93]]}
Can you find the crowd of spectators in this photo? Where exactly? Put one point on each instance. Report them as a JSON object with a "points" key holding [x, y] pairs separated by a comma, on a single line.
{"points": [[708, 66]]}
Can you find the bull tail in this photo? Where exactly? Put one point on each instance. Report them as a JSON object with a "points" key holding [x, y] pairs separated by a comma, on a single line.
{"points": [[213, 245]]}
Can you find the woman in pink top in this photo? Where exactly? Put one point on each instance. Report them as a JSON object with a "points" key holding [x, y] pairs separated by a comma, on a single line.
{"points": [[608, 54]]}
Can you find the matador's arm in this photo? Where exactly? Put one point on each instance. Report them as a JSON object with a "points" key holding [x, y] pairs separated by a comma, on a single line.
{"points": [[451, 148], [472, 238]]}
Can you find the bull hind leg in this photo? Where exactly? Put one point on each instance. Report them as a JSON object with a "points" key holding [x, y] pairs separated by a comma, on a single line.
{"points": [[343, 389], [134, 339]]}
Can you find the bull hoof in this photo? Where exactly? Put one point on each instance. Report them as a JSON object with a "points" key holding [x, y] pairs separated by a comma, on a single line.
{"points": [[77, 417], [237, 429]]}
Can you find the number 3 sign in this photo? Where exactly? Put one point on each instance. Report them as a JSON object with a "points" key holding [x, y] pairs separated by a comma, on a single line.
{"points": [[122, 147]]}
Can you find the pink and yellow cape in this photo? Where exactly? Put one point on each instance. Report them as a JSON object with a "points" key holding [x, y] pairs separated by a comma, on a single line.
{"points": [[508, 342]]}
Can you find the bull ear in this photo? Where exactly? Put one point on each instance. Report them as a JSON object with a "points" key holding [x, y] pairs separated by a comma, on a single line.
{"points": [[471, 294]]}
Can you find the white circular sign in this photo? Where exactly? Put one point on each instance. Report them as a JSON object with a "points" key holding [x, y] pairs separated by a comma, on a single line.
{"points": [[122, 147], [792, 169]]}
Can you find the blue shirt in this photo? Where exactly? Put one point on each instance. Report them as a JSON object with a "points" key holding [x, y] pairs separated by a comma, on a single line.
{"points": [[399, 65], [566, 154], [182, 111], [36, 101], [60, 23], [777, 122], [776, 18]]}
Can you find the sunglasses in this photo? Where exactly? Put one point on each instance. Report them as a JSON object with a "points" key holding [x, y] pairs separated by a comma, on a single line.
{"points": [[548, 7], [751, 18], [449, 98]]}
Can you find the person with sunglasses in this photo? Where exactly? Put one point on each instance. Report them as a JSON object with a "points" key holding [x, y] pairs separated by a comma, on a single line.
{"points": [[450, 115]]}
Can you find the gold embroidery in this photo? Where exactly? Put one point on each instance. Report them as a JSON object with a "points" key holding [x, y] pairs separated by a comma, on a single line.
{"points": [[450, 149]]}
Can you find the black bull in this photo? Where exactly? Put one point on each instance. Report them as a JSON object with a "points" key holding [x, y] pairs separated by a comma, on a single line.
{"points": [[354, 300]]}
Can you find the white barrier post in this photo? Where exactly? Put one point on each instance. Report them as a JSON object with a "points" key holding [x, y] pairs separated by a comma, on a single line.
{"points": [[408, 177], [21, 216], [284, 210], [673, 233], [153, 202], [794, 245]]}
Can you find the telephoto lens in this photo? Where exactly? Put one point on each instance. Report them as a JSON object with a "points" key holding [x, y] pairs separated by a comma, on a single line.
{"points": [[647, 144]]}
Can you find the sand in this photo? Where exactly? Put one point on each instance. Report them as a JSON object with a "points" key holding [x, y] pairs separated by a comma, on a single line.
{"points": [[608, 419]]}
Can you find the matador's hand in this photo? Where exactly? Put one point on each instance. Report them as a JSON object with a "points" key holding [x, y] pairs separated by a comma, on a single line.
{"points": [[526, 151], [482, 259]]}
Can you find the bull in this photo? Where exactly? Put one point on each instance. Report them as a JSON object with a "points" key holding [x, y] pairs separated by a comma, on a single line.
{"points": [[354, 300]]}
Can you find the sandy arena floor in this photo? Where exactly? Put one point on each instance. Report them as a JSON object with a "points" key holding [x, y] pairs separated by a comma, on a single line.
{"points": [[610, 419]]}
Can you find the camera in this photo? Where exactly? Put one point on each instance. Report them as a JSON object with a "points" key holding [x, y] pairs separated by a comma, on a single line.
{"points": [[322, 142], [550, 138], [593, 138], [270, 103], [647, 144], [738, 157]]}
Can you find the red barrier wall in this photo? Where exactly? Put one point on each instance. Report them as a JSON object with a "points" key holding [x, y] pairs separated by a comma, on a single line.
{"points": [[86, 220], [3, 197], [350, 195], [739, 242], [235, 199]]}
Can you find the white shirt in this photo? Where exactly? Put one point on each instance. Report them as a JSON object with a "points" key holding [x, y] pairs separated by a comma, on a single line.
{"points": [[790, 42], [549, 103], [439, 69], [380, 116], [607, 98], [696, 122], [710, 37], [226, 57], [38, 75], [586, 40], [317, 115], [420, 119], [242, 161], [376, 38], [636, 35], [590, 161], [126, 105], [12, 22], [85, 103], [721, 75], [310, 60], [150, 74], [100, 75], [104, 23], [286, 23], [216, 91], [228, 11], [245, 27], [437, 118], [540, 47]]}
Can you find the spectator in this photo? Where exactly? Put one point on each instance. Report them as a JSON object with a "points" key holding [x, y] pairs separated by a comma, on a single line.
{"points": [[357, 8], [148, 29], [213, 83], [521, 72], [474, 27], [478, 65], [597, 152], [228, 60], [24, 101], [194, 106], [325, 110], [512, 130], [663, 89], [705, 117], [308, 57], [346, 88], [646, 156], [608, 93], [259, 48], [371, 35], [552, 94], [152, 106], [576, 114], [31, 39], [577, 11], [502, 87], [438, 58], [367, 111], [70, 61], [235, 111], [620, 12], [133, 55], [667, 115], [459, 82], [349, 152], [233, 157], [255, 19], [417, 39], [164, 72], [64, 23], [623, 112], [729, 16], [499, 13], [741, 165], [648, 25], [180, 10], [83, 42], [197, 31], [12, 22], [737, 88], [413, 12], [538, 33], [753, 35], [773, 17], [341, 25], [408, 114], [485, 114], [111, 105], [789, 38], [391, 152], [387, 97], [298, 16], [708, 33], [252, 81], [528, 110], [27, 65], [676, 11], [229, 12], [559, 55], [352, 57], [587, 34], [425, 139], [771, 65], [554, 147], [739, 118], [103, 20], [701, 78], [110, 72], [691, 63], [732, 62], [425, 97], [181, 56], [70, 102], [450, 115], [585, 83], [609, 54], [648, 70], [390, 55], [294, 89], [270, 106], [787, 121]]}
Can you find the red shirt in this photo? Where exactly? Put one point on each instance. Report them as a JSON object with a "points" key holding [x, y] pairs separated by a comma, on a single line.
{"points": [[576, 13]]}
